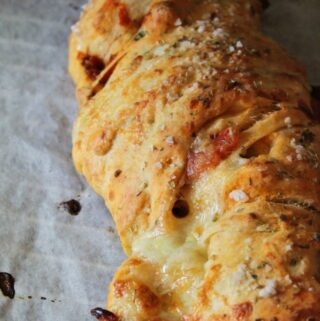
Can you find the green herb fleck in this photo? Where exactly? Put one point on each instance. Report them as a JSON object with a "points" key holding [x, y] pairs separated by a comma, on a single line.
{"points": [[139, 35]]}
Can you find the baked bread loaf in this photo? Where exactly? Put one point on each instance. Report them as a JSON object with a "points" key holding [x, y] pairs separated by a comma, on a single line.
{"points": [[198, 132]]}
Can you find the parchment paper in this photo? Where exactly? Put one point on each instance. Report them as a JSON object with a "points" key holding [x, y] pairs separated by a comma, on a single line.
{"points": [[71, 259]]}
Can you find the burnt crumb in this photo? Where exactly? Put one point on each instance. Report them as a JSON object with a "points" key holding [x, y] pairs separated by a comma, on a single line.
{"points": [[117, 173], [43, 298], [92, 64], [73, 207], [254, 216], [111, 230], [7, 284], [103, 315], [180, 209], [29, 297], [306, 138]]}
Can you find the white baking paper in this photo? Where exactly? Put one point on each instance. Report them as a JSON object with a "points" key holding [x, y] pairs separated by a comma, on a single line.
{"points": [[71, 259]]}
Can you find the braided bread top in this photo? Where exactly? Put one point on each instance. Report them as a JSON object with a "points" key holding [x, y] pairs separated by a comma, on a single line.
{"points": [[197, 131]]}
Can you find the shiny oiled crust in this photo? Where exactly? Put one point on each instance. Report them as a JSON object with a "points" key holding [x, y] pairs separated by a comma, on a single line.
{"points": [[197, 131]]}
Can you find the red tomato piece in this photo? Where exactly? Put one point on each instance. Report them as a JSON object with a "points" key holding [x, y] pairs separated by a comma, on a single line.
{"points": [[124, 16], [222, 146]]}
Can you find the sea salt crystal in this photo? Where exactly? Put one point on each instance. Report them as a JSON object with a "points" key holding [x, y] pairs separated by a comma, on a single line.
{"points": [[186, 44], [288, 121], [239, 44], [288, 247], [201, 28], [238, 195], [178, 22], [159, 51], [170, 140], [269, 290], [218, 32], [75, 28], [158, 165], [239, 275], [216, 20]]}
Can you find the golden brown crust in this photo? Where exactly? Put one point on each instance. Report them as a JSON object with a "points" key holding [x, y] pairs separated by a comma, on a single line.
{"points": [[194, 109]]}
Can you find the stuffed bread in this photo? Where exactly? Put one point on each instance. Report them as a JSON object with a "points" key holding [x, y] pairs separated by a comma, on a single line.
{"points": [[198, 132]]}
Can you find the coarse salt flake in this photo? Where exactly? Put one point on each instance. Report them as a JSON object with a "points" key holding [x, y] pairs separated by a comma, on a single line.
{"points": [[288, 121], [158, 165], [186, 44], [218, 32], [216, 20], [269, 290], [160, 50], [288, 247], [201, 28], [75, 28], [178, 22], [239, 275], [170, 140], [238, 195], [287, 279], [239, 44]]}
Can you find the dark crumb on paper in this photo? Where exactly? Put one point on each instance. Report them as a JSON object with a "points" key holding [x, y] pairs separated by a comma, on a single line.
{"points": [[29, 297], [43, 298], [74, 6], [103, 315], [265, 4], [111, 230], [7, 284], [73, 207]]}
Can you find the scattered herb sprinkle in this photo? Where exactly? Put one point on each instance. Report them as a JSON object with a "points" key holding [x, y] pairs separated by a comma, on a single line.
{"points": [[139, 35]]}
